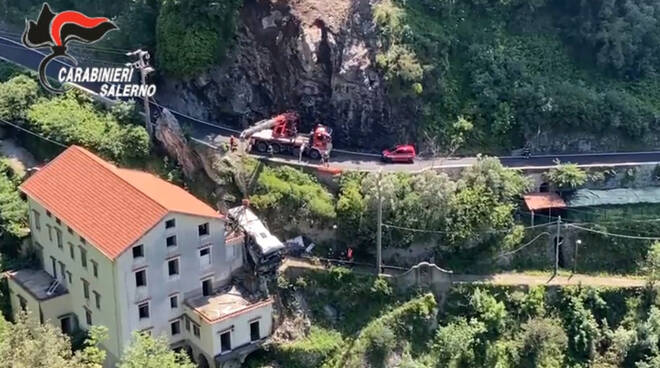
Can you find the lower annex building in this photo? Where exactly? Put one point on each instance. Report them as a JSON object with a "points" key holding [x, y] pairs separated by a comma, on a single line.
{"points": [[124, 249]]}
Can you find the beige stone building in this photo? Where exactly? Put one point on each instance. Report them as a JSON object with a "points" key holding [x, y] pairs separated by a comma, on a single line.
{"points": [[124, 249]]}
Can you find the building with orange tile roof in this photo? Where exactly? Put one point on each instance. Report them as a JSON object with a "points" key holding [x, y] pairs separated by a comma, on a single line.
{"points": [[125, 249]]}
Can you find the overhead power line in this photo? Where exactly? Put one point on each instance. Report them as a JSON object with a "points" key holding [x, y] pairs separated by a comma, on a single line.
{"points": [[33, 133], [607, 233], [522, 246]]}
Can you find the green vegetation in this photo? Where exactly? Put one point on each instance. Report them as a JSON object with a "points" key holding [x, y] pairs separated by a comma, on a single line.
{"points": [[186, 36], [193, 35], [13, 209], [478, 326], [652, 263], [566, 176], [318, 346], [27, 343], [285, 194], [73, 118], [517, 68], [474, 212], [287, 189], [148, 352]]}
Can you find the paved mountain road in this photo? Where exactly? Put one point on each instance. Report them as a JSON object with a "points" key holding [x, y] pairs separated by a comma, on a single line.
{"points": [[213, 133]]}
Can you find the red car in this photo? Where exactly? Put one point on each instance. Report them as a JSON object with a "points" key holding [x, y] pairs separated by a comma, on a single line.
{"points": [[400, 153]]}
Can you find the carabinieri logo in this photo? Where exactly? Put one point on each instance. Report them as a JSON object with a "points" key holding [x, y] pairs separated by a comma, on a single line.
{"points": [[56, 30]]}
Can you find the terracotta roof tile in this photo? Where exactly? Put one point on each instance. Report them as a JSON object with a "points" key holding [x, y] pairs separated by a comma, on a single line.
{"points": [[543, 201], [108, 206]]}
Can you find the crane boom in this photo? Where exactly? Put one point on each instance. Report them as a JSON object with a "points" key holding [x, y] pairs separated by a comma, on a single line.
{"points": [[268, 123], [263, 124]]}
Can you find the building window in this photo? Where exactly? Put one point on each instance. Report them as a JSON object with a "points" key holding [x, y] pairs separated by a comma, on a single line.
{"points": [[97, 299], [187, 323], [59, 222], [62, 271], [72, 252], [88, 317], [225, 342], [175, 327], [36, 219], [143, 310], [95, 268], [22, 302], [50, 232], [48, 213], [171, 241], [53, 263], [207, 287], [205, 256], [138, 251], [254, 331], [68, 274], [83, 257], [85, 288], [195, 330], [203, 229], [82, 240], [174, 301], [170, 223], [58, 236], [173, 267], [69, 229], [141, 278]]}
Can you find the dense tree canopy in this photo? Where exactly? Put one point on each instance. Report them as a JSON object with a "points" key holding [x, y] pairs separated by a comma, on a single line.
{"points": [[28, 343], [13, 209], [475, 209], [520, 69], [192, 35], [148, 352]]}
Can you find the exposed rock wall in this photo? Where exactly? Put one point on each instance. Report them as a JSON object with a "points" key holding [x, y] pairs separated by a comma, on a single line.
{"points": [[312, 56], [169, 134]]}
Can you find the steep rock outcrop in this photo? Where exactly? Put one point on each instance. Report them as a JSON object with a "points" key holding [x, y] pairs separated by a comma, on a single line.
{"points": [[313, 56], [169, 134]]}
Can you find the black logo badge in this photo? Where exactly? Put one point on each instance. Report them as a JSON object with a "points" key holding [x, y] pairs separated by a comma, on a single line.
{"points": [[56, 30]]}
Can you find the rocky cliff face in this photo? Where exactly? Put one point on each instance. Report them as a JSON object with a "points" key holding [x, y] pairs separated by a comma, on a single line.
{"points": [[312, 56]]}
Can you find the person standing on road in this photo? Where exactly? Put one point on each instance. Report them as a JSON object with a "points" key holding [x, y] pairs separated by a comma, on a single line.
{"points": [[325, 157], [302, 151]]}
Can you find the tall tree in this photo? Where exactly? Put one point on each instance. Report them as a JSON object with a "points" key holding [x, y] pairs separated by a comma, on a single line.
{"points": [[29, 344], [148, 352]]}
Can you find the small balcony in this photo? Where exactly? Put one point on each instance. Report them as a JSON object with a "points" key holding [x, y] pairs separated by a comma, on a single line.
{"points": [[38, 283], [225, 304]]}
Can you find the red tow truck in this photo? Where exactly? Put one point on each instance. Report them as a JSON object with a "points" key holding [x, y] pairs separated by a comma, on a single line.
{"points": [[280, 134]]}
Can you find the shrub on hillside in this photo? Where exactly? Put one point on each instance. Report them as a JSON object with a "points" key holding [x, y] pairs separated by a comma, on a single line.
{"points": [[289, 190], [16, 95], [193, 35], [73, 119]]}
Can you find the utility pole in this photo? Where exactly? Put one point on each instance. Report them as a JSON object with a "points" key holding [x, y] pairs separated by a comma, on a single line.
{"points": [[379, 235], [557, 240], [142, 64], [575, 256]]}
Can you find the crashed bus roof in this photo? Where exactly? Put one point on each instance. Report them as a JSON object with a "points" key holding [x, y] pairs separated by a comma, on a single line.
{"points": [[266, 241]]}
